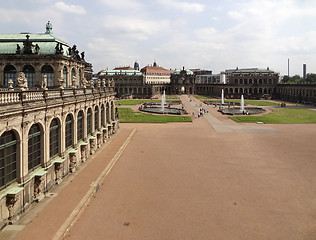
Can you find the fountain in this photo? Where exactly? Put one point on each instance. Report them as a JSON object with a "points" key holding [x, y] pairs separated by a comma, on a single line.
{"points": [[162, 109], [222, 97], [242, 104], [163, 101], [242, 109]]}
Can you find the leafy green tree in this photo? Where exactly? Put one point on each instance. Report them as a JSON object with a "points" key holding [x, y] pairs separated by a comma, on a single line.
{"points": [[311, 78]]}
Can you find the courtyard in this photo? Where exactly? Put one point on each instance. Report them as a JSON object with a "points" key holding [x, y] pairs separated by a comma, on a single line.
{"points": [[211, 178]]}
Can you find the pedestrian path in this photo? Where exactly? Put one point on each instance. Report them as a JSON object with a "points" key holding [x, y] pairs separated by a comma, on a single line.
{"points": [[221, 126], [59, 211]]}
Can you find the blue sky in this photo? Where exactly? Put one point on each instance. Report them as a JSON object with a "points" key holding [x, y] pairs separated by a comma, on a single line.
{"points": [[206, 34]]}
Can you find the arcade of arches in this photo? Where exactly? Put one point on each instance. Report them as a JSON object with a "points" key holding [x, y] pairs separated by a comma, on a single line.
{"points": [[53, 137]]}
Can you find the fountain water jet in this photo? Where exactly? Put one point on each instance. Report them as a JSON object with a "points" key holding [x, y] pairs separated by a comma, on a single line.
{"points": [[222, 96], [163, 101], [242, 104]]}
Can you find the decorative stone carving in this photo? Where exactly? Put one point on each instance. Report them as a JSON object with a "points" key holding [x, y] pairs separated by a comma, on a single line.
{"points": [[83, 149], [84, 83], [72, 161], [11, 199], [57, 176], [10, 83], [38, 188], [105, 136], [112, 83], [92, 145], [99, 83], [109, 83], [74, 82], [44, 82], [61, 83], [99, 140], [22, 81], [103, 82], [91, 83]]}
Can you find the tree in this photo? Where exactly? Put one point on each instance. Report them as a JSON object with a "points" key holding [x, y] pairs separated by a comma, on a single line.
{"points": [[311, 78]]}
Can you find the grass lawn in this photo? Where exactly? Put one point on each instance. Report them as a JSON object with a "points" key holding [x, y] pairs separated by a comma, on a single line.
{"points": [[126, 115], [281, 115], [201, 97], [172, 97], [139, 101]]}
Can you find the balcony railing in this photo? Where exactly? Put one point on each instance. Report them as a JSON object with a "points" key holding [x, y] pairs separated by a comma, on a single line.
{"points": [[15, 96]]}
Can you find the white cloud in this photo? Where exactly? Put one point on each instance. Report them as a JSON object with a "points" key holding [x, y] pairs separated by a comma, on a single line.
{"points": [[134, 27], [123, 4], [76, 9], [182, 6]]}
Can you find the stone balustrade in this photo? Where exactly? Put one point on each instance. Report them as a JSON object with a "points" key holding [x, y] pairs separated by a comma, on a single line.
{"points": [[15, 96]]}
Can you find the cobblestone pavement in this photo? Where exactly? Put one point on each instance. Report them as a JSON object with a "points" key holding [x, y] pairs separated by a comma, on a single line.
{"points": [[209, 179]]}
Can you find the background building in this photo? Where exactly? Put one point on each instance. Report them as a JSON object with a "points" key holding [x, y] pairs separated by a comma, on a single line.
{"points": [[156, 75]]}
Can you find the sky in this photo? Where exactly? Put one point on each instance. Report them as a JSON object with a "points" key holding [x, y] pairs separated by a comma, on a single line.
{"points": [[206, 34]]}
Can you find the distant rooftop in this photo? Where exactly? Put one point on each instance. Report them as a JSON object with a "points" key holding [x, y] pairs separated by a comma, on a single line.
{"points": [[249, 70], [120, 72]]}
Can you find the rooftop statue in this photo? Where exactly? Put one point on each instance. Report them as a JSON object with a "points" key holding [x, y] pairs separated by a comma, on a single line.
{"points": [[49, 28], [18, 49], [27, 45]]}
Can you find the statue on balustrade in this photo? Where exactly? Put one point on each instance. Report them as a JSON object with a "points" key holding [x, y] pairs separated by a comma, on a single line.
{"points": [[44, 82], [22, 81]]}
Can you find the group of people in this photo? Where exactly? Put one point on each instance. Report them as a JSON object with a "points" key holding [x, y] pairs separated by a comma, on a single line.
{"points": [[201, 112]]}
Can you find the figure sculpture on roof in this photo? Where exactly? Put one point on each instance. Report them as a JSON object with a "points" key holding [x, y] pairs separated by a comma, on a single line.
{"points": [[27, 45], [57, 48], [18, 49], [82, 55], [37, 48]]}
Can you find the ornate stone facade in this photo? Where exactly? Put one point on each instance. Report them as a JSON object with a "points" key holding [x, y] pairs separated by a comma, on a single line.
{"points": [[21, 111], [52, 118]]}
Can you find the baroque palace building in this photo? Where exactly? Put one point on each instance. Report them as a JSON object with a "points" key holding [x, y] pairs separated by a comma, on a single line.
{"points": [[52, 116]]}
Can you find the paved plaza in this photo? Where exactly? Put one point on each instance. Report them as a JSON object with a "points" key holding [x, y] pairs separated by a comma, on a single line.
{"points": [[209, 179]]}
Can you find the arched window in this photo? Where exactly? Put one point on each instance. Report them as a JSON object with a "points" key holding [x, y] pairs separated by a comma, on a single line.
{"points": [[9, 73], [107, 113], [54, 138], [96, 118], [80, 126], [102, 116], [34, 147], [73, 74], [79, 79], [49, 72], [89, 121], [8, 148], [29, 72], [69, 130], [65, 76], [113, 111]]}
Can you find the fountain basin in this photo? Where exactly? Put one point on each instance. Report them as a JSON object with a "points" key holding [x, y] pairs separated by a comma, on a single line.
{"points": [[238, 111], [158, 110]]}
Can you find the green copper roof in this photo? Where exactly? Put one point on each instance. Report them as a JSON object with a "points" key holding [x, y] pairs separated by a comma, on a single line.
{"points": [[121, 72], [46, 41]]}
